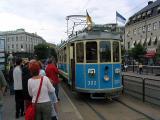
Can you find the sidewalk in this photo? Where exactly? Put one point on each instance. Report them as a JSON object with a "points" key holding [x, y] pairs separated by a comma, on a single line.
{"points": [[67, 110]]}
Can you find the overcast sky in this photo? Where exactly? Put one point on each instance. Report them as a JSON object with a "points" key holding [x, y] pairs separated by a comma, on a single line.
{"points": [[47, 17]]}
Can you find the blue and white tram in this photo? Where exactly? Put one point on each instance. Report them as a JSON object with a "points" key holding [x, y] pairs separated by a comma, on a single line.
{"points": [[91, 62]]}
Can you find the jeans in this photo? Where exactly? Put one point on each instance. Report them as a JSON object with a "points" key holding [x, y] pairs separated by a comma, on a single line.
{"points": [[56, 90]]}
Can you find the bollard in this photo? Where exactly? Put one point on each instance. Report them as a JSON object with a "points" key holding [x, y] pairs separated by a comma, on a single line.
{"points": [[143, 89]]}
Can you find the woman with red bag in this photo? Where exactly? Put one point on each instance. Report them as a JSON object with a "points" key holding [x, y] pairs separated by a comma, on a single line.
{"points": [[43, 106]]}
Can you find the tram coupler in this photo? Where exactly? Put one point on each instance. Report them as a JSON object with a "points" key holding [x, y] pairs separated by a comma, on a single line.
{"points": [[97, 96]]}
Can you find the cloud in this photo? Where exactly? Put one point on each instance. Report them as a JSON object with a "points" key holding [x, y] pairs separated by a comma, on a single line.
{"points": [[47, 17]]}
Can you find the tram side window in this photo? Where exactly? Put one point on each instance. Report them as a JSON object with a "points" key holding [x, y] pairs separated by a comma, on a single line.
{"points": [[105, 51], [116, 56], [80, 52], [65, 55], [91, 52]]}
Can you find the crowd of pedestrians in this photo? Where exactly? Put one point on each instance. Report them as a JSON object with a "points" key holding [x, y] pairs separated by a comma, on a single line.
{"points": [[24, 81]]}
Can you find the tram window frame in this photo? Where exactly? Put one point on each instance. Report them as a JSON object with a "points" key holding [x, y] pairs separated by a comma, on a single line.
{"points": [[89, 52], [116, 54], [80, 52], [65, 55], [105, 51]]}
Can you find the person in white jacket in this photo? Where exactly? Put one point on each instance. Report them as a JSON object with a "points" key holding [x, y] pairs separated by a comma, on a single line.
{"points": [[17, 77], [43, 106]]}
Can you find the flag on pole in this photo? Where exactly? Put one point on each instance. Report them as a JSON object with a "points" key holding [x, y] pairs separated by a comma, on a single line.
{"points": [[120, 18], [89, 19]]}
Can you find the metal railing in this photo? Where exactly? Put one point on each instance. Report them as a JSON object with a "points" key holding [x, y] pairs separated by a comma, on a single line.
{"points": [[147, 69], [145, 89]]}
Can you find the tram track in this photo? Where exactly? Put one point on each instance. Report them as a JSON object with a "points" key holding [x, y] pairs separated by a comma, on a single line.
{"points": [[134, 109], [98, 110]]}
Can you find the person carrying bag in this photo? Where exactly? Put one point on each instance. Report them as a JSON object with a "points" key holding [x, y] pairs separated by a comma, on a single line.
{"points": [[31, 110]]}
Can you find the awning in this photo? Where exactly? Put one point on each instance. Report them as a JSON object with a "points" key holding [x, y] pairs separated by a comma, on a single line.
{"points": [[143, 41], [159, 38], [132, 46], [150, 54], [138, 41], [148, 40], [154, 39]]}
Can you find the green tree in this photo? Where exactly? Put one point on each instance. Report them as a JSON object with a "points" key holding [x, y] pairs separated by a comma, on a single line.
{"points": [[137, 52], [43, 51]]}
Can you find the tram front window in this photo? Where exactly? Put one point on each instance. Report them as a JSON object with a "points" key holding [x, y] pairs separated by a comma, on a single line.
{"points": [[91, 52], [105, 51], [116, 55], [80, 52]]}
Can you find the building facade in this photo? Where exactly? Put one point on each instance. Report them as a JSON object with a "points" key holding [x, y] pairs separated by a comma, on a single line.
{"points": [[20, 41], [144, 28]]}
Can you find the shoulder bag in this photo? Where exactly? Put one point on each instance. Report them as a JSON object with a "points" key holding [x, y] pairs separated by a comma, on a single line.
{"points": [[31, 110]]}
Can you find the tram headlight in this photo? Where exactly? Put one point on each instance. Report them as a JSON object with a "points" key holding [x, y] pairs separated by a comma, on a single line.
{"points": [[106, 78], [117, 71]]}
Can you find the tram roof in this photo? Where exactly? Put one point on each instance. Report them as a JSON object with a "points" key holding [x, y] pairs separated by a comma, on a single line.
{"points": [[94, 34]]}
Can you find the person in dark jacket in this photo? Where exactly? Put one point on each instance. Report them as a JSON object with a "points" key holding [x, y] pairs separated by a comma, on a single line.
{"points": [[25, 77], [11, 87]]}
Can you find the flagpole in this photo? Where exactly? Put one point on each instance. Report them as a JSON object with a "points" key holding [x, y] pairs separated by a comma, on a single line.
{"points": [[116, 18]]}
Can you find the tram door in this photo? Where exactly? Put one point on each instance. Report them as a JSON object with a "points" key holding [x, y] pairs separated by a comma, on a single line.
{"points": [[72, 66]]}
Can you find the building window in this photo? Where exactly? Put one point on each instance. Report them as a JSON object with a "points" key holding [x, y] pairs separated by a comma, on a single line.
{"points": [[139, 30], [155, 26], [149, 43], [21, 46], [149, 27], [155, 42], [128, 33], [13, 46], [149, 13], [8, 39], [134, 31], [158, 9], [128, 45], [16, 38], [144, 29]]}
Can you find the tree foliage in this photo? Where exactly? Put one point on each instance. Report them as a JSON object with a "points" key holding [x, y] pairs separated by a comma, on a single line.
{"points": [[43, 51], [137, 52]]}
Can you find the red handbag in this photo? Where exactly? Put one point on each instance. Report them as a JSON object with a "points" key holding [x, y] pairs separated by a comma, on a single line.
{"points": [[31, 109]]}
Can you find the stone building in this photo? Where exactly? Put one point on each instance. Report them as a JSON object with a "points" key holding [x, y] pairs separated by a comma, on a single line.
{"points": [[20, 41], [144, 28]]}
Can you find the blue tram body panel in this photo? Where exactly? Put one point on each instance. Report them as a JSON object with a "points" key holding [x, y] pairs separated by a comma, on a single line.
{"points": [[117, 77], [91, 76], [79, 79], [103, 72]]}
